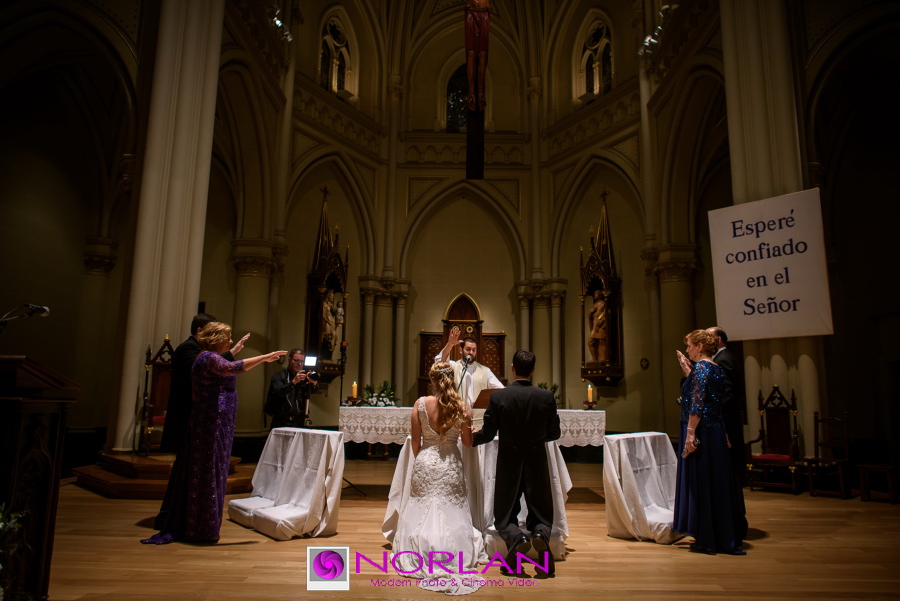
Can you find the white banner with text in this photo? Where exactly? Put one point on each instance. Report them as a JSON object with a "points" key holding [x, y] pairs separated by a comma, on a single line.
{"points": [[769, 268]]}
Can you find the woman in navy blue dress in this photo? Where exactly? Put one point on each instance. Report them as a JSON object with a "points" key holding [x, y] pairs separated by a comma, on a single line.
{"points": [[702, 494], [197, 484]]}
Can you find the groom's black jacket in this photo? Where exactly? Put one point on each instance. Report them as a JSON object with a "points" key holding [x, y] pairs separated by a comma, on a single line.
{"points": [[526, 418]]}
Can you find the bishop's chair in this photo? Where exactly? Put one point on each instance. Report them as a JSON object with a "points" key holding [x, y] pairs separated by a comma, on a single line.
{"points": [[775, 464]]}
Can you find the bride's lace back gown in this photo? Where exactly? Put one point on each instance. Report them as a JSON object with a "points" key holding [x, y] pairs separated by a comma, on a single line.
{"points": [[437, 516]]}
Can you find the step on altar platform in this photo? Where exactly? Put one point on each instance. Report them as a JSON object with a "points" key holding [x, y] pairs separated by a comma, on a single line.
{"points": [[133, 476]]}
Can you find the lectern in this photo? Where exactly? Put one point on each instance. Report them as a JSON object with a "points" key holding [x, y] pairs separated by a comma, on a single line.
{"points": [[33, 409]]}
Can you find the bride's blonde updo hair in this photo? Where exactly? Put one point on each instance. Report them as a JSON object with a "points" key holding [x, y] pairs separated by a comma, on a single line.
{"points": [[450, 406]]}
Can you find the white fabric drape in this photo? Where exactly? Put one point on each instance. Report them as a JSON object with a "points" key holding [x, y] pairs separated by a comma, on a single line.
{"points": [[296, 486], [639, 473]]}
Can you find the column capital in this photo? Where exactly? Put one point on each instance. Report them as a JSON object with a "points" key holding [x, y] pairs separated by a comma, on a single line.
{"points": [[100, 255], [675, 270], [252, 257], [672, 262]]}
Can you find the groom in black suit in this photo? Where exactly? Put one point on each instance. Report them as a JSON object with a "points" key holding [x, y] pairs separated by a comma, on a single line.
{"points": [[526, 419], [734, 407]]}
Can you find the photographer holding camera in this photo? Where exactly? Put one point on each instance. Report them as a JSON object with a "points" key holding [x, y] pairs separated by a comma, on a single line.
{"points": [[289, 391]]}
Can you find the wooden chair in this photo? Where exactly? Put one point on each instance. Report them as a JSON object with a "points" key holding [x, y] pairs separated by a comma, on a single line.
{"points": [[832, 459], [779, 439]]}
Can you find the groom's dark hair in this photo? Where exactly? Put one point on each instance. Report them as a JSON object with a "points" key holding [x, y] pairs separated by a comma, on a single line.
{"points": [[523, 363]]}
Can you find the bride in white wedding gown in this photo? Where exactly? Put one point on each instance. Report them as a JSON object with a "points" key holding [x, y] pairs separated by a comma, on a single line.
{"points": [[436, 521]]}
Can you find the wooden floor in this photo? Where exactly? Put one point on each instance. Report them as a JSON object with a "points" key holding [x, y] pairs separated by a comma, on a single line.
{"points": [[801, 547]]}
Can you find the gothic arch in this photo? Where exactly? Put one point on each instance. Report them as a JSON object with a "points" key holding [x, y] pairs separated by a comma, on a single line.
{"points": [[583, 174], [106, 111], [349, 179], [698, 118], [465, 189], [245, 142]]}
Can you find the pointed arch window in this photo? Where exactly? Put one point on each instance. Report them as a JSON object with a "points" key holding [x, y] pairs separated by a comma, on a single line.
{"points": [[597, 73], [336, 63], [457, 87]]}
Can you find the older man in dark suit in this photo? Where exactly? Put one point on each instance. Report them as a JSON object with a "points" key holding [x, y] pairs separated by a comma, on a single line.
{"points": [[734, 406], [526, 419]]}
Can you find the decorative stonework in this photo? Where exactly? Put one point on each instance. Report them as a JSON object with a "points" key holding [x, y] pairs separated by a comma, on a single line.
{"points": [[672, 271], [302, 145], [100, 256], [450, 149], [587, 127], [509, 188], [630, 149], [416, 187], [323, 112], [255, 266]]}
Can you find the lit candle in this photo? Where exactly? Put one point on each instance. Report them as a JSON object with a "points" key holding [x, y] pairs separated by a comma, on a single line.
{"points": [[590, 393], [353, 391]]}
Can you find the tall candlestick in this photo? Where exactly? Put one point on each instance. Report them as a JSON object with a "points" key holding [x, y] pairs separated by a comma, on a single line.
{"points": [[590, 393], [353, 390]]}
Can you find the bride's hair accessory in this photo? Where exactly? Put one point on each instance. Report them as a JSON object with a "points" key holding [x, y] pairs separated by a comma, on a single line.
{"points": [[446, 371]]}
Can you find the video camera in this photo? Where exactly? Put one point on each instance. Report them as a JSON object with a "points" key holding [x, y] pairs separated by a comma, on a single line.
{"points": [[310, 365]]}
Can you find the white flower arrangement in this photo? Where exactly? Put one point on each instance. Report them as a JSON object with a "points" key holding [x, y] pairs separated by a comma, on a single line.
{"points": [[384, 397]]}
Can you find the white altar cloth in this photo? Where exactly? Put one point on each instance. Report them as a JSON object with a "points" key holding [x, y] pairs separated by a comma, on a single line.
{"points": [[391, 424]]}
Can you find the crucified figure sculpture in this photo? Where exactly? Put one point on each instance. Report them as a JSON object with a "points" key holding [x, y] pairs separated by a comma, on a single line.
{"points": [[478, 19]]}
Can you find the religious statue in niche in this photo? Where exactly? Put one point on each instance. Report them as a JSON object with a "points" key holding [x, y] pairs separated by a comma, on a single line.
{"points": [[329, 323], [598, 339], [602, 288], [478, 20], [326, 301]]}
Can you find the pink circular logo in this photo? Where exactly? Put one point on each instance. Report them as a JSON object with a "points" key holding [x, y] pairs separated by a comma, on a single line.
{"points": [[328, 565]]}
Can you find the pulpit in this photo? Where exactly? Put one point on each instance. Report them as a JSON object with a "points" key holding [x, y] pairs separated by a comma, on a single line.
{"points": [[34, 402]]}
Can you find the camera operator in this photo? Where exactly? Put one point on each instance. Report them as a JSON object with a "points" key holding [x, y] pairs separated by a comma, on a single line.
{"points": [[288, 398]]}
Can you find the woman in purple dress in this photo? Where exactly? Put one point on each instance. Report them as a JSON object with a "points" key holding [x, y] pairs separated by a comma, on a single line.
{"points": [[198, 483], [702, 488]]}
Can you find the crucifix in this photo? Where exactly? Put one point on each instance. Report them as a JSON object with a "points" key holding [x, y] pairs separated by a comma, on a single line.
{"points": [[478, 19]]}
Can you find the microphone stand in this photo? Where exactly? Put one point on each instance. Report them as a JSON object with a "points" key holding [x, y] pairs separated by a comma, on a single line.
{"points": [[462, 374], [30, 311]]}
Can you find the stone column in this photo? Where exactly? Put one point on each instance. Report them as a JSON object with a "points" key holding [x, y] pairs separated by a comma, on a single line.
{"points": [[383, 343], [557, 333], [535, 91], [255, 264], [654, 413], [764, 142], [524, 340], [368, 334], [168, 249], [400, 342], [675, 269], [542, 347], [395, 90]]}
